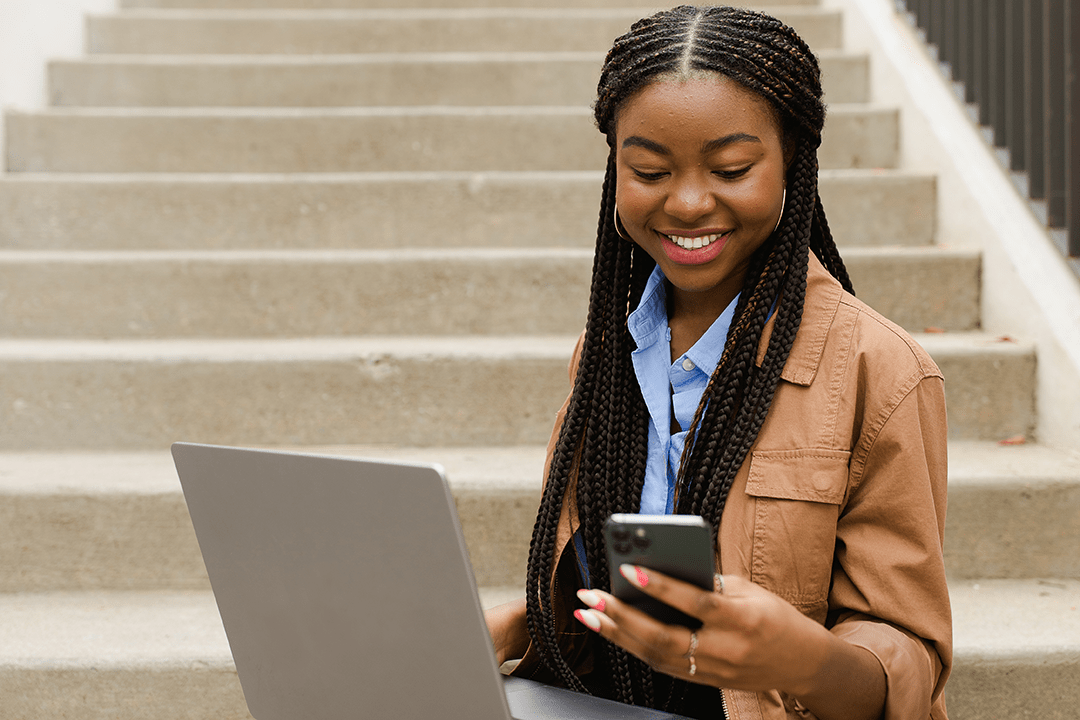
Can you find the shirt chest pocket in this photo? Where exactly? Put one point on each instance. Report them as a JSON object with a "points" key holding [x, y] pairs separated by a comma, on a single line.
{"points": [[797, 495]]}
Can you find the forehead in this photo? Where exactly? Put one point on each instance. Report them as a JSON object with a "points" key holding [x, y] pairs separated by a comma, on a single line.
{"points": [[707, 103]]}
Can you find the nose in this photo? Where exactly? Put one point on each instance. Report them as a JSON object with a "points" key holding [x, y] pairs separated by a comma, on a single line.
{"points": [[689, 199]]}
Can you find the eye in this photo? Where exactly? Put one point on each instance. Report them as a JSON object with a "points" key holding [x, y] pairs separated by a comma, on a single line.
{"points": [[732, 174], [649, 176]]}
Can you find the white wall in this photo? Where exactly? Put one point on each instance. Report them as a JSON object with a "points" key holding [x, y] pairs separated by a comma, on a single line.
{"points": [[32, 32], [1027, 290]]}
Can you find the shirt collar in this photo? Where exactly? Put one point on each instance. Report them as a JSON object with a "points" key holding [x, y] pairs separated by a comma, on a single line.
{"points": [[649, 320]]}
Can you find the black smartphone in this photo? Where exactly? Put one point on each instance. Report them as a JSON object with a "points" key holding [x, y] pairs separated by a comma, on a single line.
{"points": [[677, 545]]}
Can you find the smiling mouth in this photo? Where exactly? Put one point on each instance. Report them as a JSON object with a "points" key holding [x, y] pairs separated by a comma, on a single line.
{"points": [[694, 243]]}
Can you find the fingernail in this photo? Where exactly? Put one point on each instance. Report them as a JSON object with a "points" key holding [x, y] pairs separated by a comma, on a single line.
{"points": [[592, 599], [634, 574], [588, 619]]}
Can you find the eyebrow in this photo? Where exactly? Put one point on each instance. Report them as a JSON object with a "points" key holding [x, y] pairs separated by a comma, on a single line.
{"points": [[706, 148]]}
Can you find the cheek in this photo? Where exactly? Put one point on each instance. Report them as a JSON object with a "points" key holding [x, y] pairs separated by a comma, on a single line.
{"points": [[760, 202], [634, 202]]}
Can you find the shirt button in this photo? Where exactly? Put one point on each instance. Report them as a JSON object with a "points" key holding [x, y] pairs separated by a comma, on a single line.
{"points": [[688, 364]]}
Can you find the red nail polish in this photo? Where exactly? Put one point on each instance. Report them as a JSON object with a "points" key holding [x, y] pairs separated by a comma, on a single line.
{"points": [[642, 578], [600, 605]]}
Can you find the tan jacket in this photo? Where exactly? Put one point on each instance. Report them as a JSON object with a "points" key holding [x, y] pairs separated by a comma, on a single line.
{"points": [[840, 508]]}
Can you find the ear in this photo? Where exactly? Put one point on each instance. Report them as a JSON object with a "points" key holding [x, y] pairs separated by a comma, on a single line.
{"points": [[791, 145]]}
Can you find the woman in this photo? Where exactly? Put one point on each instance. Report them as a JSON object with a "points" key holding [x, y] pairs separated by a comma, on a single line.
{"points": [[726, 370]]}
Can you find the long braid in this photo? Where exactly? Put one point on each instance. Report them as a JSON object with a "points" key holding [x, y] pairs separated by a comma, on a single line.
{"points": [[602, 449]]}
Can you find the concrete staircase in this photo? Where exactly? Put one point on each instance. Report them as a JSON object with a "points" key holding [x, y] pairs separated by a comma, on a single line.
{"points": [[315, 223]]}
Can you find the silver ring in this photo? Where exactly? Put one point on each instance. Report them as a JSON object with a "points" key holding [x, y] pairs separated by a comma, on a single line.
{"points": [[693, 645], [690, 653], [719, 583]]}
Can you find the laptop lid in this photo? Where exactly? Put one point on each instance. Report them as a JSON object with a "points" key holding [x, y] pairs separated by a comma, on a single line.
{"points": [[343, 584]]}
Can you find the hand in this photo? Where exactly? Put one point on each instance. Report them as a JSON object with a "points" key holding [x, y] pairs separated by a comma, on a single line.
{"points": [[507, 627], [750, 638]]}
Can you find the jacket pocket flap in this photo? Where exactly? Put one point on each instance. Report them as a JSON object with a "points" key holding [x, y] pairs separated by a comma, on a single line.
{"points": [[809, 475]]}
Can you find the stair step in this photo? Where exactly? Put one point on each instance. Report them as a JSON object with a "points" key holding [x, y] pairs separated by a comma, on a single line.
{"points": [[989, 384], [93, 520], [267, 293], [444, 391], [1014, 512], [919, 288], [1017, 649], [359, 139], [147, 394], [247, 32], [354, 4], [261, 293], [379, 210], [94, 655], [517, 78]]}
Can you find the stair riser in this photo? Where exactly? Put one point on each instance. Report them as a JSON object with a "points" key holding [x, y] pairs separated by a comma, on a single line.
{"points": [[195, 692], [425, 400], [390, 31], [310, 141], [381, 211], [69, 542], [1018, 531], [920, 291], [336, 296], [374, 399], [418, 294], [1025, 687], [989, 396], [505, 81], [106, 541]]}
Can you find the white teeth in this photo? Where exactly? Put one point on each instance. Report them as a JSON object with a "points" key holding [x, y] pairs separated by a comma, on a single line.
{"points": [[693, 243]]}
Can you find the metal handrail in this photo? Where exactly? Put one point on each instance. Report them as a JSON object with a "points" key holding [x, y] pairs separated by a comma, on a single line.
{"points": [[1018, 63]]}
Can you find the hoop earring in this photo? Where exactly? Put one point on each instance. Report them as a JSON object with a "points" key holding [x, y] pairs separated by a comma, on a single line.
{"points": [[619, 226], [783, 205]]}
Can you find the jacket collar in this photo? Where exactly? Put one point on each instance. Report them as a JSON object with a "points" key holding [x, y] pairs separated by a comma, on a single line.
{"points": [[823, 293]]}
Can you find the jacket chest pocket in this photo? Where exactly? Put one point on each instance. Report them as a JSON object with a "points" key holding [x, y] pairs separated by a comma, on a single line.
{"points": [[797, 495]]}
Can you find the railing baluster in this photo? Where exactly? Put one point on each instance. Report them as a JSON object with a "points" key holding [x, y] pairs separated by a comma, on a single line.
{"points": [[948, 34], [980, 76], [964, 48], [1015, 61], [1034, 108], [1015, 127], [1054, 91], [996, 70], [1072, 181]]}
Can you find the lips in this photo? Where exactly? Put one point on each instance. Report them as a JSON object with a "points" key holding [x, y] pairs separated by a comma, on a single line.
{"points": [[698, 250], [694, 243]]}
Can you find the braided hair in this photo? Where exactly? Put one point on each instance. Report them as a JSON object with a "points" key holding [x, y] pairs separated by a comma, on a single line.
{"points": [[602, 448]]}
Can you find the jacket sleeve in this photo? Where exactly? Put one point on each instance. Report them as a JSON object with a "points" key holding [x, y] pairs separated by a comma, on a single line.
{"points": [[889, 593]]}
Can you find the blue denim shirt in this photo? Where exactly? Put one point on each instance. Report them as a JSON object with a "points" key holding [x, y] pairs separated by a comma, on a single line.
{"points": [[670, 386]]}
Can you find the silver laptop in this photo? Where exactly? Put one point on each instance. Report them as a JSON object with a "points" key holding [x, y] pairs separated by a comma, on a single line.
{"points": [[345, 590]]}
